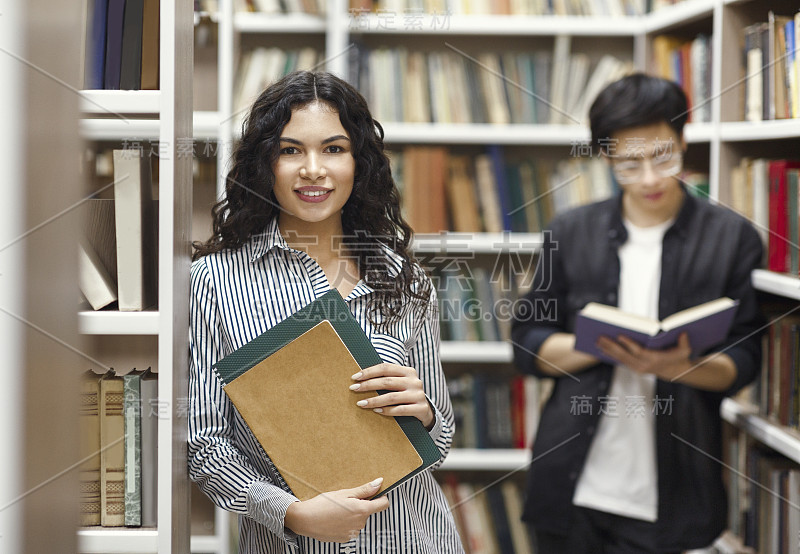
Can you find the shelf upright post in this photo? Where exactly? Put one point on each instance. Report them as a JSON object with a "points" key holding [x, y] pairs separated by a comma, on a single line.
{"points": [[175, 210], [337, 37]]}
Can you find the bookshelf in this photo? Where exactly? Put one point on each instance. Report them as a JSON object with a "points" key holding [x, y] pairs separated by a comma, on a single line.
{"points": [[165, 116], [716, 145]]}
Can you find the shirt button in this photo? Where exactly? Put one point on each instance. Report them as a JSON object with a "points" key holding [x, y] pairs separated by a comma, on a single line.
{"points": [[590, 429], [611, 298], [603, 384], [573, 475]]}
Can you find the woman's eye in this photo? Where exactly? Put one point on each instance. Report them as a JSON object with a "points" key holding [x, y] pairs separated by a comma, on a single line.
{"points": [[334, 149], [289, 150]]}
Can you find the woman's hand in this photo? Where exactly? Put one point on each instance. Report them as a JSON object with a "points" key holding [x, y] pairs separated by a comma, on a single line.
{"points": [[336, 516], [407, 397]]}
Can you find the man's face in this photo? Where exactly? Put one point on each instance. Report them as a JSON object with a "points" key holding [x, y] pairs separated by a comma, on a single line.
{"points": [[647, 162]]}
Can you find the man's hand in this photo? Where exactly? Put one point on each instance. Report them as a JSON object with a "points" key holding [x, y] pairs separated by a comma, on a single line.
{"points": [[666, 364], [407, 397], [336, 516]]}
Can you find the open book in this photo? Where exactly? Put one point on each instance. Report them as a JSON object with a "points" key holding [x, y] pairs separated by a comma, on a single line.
{"points": [[706, 324]]}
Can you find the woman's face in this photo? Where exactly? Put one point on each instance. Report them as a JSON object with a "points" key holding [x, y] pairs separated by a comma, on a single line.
{"points": [[315, 168]]}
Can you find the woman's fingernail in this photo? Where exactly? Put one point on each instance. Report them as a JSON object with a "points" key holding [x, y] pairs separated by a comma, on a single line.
{"points": [[378, 410], [361, 403], [355, 386], [357, 375], [377, 482]]}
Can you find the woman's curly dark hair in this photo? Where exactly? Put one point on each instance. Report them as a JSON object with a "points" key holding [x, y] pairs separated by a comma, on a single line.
{"points": [[371, 217]]}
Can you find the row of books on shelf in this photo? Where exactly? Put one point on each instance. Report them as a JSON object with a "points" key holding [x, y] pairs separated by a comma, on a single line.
{"points": [[487, 515], [771, 68], [614, 8], [475, 304], [491, 193], [485, 193], [777, 393], [766, 192], [495, 411], [312, 7], [122, 45], [118, 254], [688, 63], [262, 66], [764, 493], [452, 86], [119, 427]]}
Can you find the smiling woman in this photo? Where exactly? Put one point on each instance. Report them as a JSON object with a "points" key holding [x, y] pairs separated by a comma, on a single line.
{"points": [[310, 206]]}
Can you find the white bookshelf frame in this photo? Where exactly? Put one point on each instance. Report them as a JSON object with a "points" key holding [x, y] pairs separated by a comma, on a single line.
{"points": [[164, 115]]}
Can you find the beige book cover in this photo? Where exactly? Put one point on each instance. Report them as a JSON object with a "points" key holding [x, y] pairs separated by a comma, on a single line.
{"points": [[298, 404], [112, 452]]}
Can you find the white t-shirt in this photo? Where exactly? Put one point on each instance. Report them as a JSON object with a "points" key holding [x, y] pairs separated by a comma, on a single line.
{"points": [[620, 474]]}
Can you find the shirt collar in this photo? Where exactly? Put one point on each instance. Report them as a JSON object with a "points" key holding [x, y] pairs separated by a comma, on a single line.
{"points": [[617, 233], [271, 238], [267, 240]]}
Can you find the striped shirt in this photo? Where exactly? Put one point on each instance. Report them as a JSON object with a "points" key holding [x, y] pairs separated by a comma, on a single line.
{"points": [[235, 296]]}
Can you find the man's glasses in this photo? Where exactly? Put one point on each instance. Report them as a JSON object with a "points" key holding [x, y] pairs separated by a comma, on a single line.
{"points": [[666, 164]]}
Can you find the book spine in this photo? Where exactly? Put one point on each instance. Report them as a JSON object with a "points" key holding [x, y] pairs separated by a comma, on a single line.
{"points": [[112, 453], [133, 450]]}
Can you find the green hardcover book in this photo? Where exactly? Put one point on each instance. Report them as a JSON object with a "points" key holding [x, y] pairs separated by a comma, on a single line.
{"points": [[132, 411], [794, 220], [328, 307]]}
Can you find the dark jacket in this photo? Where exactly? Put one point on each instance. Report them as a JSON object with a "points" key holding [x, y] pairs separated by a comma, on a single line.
{"points": [[708, 252]]}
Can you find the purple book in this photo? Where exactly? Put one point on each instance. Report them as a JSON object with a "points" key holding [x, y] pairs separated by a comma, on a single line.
{"points": [[706, 324]]}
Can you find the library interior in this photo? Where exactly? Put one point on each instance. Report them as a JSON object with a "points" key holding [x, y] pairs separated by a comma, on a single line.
{"points": [[123, 126]]}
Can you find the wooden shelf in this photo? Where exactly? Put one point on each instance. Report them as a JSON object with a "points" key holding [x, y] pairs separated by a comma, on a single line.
{"points": [[477, 243], [781, 439], [476, 352], [489, 459], [781, 284], [118, 323]]}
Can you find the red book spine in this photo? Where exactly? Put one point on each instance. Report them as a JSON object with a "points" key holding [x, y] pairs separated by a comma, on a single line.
{"points": [[778, 246]]}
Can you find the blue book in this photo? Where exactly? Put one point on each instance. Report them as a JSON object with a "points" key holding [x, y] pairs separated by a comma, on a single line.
{"points": [[498, 166], [114, 28], [96, 46], [706, 324]]}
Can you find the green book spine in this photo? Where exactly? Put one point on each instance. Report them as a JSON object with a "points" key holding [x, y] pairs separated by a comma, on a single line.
{"points": [[133, 449]]}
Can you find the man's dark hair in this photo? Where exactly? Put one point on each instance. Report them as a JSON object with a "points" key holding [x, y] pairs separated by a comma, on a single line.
{"points": [[634, 101]]}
